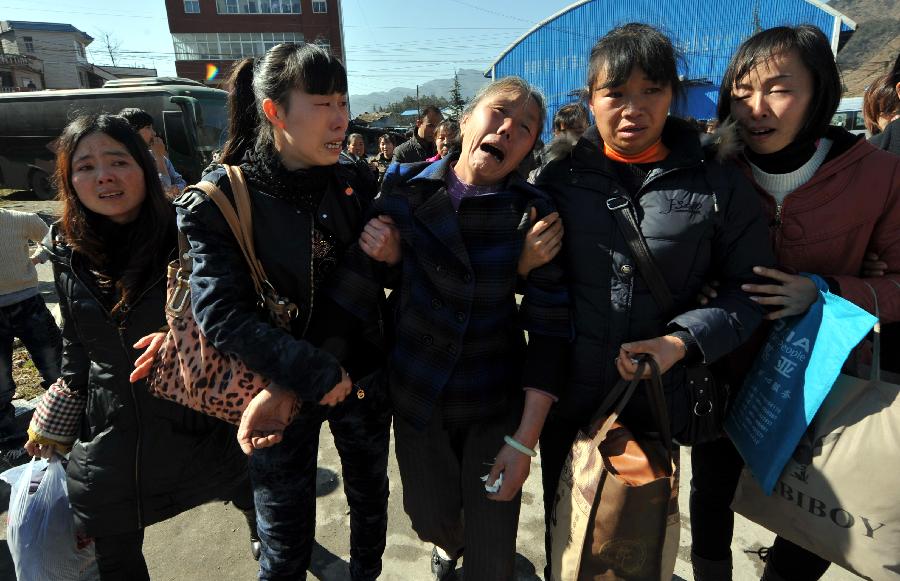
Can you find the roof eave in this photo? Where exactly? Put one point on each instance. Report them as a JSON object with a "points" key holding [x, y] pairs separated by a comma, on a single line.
{"points": [[825, 7], [489, 71]]}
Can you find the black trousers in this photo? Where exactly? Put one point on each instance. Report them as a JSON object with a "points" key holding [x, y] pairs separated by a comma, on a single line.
{"points": [[441, 469], [121, 557], [284, 488], [716, 467]]}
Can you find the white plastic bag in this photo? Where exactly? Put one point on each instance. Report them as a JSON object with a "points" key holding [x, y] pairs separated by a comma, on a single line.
{"points": [[40, 530]]}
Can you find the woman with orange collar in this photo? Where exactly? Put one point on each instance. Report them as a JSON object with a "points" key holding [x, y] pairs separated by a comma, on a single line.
{"points": [[697, 215]]}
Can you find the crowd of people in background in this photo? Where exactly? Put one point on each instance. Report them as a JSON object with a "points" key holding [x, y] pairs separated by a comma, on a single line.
{"points": [[456, 221]]}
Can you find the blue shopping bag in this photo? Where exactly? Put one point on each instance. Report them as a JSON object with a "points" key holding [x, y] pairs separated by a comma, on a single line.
{"points": [[790, 378]]}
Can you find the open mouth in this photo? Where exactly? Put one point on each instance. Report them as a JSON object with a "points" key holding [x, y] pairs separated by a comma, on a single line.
{"points": [[111, 195], [493, 152], [632, 129], [760, 132], [333, 145]]}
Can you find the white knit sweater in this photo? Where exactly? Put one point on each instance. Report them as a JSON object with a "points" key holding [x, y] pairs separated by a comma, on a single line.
{"points": [[17, 273], [780, 185]]}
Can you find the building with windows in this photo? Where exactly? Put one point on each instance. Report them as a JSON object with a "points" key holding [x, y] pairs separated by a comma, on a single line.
{"points": [[554, 54], [210, 35], [47, 55]]}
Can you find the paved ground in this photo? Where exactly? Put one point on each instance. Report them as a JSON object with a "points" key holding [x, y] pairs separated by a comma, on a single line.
{"points": [[210, 543]]}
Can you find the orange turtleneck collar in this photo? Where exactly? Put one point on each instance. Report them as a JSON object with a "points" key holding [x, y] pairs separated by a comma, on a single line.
{"points": [[654, 153]]}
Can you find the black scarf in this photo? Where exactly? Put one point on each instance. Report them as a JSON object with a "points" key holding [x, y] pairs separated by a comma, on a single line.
{"points": [[303, 188]]}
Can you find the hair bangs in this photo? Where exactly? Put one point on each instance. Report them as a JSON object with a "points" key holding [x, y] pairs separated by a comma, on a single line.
{"points": [[320, 73], [622, 49]]}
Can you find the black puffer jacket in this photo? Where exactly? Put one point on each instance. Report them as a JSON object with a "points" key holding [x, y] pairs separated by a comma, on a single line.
{"points": [[702, 221], [138, 459]]}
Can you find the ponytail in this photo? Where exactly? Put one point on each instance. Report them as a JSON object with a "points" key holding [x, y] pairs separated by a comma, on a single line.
{"points": [[243, 117]]}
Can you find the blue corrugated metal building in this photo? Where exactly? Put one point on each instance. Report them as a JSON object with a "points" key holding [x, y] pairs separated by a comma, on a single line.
{"points": [[554, 54]]}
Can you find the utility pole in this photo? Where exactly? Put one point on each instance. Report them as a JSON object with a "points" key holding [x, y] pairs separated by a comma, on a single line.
{"points": [[418, 104]]}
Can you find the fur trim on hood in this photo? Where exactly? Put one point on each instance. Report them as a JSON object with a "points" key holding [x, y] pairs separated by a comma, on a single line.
{"points": [[724, 144], [561, 146]]}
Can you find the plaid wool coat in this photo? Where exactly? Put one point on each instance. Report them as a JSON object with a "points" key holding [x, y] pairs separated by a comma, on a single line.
{"points": [[460, 342]]}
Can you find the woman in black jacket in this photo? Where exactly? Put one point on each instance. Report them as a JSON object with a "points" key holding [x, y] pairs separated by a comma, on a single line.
{"points": [[136, 459], [698, 217], [288, 118]]}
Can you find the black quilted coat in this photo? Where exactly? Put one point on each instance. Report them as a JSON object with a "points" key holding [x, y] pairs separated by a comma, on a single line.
{"points": [[138, 460]]}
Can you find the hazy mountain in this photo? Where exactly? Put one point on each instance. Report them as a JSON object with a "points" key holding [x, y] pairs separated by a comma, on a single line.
{"points": [[874, 45], [470, 80]]}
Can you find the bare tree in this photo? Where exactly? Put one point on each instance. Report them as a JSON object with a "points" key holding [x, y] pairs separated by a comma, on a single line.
{"points": [[110, 44]]}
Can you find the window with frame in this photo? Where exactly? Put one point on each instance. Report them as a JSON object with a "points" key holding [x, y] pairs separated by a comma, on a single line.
{"points": [[228, 45], [29, 43], [320, 6], [324, 43], [258, 6], [192, 6]]}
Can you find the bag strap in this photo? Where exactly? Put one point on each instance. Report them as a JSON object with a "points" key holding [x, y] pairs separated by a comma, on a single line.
{"points": [[244, 211], [621, 395], [875, 371], [225, 206], [621, 208]]}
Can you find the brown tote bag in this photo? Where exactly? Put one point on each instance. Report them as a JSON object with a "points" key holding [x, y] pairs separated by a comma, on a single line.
{"points": [[188, 369], [615, 516]]}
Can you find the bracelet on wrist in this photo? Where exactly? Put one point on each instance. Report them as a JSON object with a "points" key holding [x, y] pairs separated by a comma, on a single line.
{"points": [[519, 446]]}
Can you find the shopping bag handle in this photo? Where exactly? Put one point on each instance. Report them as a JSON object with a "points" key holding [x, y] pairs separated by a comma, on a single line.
{"points": [[875, 371], [621, 394]]}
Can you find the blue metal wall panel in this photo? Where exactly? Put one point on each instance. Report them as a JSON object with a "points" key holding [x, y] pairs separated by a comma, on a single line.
{"points": [[554, 57]]}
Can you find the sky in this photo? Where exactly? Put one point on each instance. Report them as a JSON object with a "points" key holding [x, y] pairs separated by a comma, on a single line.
{"points": [[388, 44]]}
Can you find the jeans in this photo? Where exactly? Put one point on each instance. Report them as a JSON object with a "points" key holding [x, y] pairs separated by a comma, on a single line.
{"points": [[284, 488], [31, 321], [716, 467]]}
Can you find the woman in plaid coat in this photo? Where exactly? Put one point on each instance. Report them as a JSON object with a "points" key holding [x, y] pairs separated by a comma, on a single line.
{"points": [[452, 233]]}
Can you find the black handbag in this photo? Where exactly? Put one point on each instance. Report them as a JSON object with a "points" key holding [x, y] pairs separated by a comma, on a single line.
{"points": [[708, 398]]}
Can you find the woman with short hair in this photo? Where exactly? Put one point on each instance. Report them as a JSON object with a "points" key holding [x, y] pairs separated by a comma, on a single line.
{"points": [[831, 197], [454, 234], [699, 217]]}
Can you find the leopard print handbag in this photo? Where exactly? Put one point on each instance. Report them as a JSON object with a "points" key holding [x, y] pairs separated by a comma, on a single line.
{"points": [[188, 369]]}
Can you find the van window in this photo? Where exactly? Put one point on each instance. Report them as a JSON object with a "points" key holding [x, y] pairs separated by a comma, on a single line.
{"points": [[176, 136], [212, 123], [840, 120]]}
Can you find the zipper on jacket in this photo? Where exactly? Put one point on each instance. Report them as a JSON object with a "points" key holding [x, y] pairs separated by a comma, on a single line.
{"points": [[137, 406], [120, 328], [312, 273], [137, 446]]}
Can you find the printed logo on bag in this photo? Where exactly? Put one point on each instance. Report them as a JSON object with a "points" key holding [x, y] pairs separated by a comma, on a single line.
{"points": [[624, 556], [835, 514]]}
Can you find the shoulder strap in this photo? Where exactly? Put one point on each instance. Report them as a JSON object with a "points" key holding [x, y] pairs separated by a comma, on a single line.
{"points": [[620, 207], [225, 206]]}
